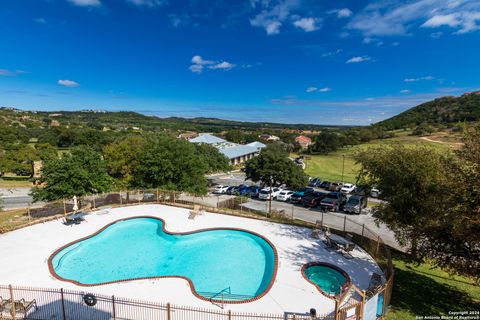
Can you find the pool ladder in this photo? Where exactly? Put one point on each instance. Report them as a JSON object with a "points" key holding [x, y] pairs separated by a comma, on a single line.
{"points": [[221, 295]]}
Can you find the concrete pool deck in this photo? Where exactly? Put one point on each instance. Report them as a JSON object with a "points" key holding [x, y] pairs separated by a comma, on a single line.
{"points": [[25, 253]]}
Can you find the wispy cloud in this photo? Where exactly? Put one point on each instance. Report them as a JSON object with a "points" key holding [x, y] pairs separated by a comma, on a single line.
{"points": [[68, 83], [331, 53], [405, 91], [426, 78], [375, 41], [12, 73], [358, 59], [307, 24], [148, 3], [387, 18], [343, 13], [199, 64], [86, 3], [315, 89], [40, 20]]}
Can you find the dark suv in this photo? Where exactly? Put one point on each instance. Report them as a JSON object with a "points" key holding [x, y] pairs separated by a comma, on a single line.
{"points": [[299, 194], [313, 199], [333, 201]]}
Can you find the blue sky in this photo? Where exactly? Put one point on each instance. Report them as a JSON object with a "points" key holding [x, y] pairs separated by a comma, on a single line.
{"points": [[293, 61]]}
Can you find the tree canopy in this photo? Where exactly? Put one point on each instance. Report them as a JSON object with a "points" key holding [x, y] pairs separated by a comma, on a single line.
{"points": [[78, 173], [273, 162], [171, 163], [431, 201]]}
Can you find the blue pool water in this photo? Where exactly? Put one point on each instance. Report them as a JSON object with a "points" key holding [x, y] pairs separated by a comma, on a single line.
{"points": [[327, 278], [136, 248]]}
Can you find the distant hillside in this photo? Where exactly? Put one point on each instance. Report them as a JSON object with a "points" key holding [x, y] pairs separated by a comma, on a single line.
{"points": [[122, 120], [444, 110]]}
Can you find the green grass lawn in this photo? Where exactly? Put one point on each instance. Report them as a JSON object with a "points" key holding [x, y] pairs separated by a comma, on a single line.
{"points": [[14, 183], [329, 167], [426, 291]]}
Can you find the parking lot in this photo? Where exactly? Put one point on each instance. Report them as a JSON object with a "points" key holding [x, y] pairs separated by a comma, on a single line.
{"points": [[333, 219]]}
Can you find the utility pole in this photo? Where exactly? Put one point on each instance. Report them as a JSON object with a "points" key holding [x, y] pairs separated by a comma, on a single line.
{"points": [[270, 198], [343, 166]]}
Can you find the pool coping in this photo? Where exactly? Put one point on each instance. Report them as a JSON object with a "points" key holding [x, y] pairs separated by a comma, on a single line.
{"points": [[190, 282], [325, 264]]}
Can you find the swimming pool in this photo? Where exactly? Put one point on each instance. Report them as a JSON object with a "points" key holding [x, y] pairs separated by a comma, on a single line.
{"points": [[329, 279], [236, 261]]}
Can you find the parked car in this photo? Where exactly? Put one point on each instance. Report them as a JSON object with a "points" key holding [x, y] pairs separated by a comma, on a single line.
{"points": [[335, 186], [230, 190], [242, 190], [315, 182], [362, 190], [325, 185], [267, 194], [313, 199], [299, 194], [254, 191], [355, 204], [333, 201], [375, 192], [220, 189], [348, 188], [284, 195]]}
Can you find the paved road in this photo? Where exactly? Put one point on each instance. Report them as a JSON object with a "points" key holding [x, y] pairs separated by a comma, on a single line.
{"points": [[17, 198], [354, 223]]}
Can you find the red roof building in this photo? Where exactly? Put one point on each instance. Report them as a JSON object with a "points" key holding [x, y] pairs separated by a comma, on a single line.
{"points": [[303, 141]]}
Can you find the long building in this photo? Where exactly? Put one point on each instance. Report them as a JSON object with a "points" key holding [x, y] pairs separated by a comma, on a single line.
{"points": [[236, 153]]}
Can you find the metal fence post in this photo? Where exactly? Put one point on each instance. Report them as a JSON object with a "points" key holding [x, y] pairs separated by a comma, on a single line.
{"points": [[158, 199], [120, 194], [64, 315], [229, 314], [13, 311], [363, 236], [94, 204], [28, 212], [378, 246], [168, 311], [344, 225], [64, 207], [114, 313]]}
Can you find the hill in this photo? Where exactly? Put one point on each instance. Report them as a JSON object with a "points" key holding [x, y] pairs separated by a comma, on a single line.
{"points": [[441, 111]]}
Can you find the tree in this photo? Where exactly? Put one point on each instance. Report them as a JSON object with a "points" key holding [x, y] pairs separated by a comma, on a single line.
{"points": [[215, 161], [326, 142], [273, 162], [122, 158], [432, 201], [78, 173], [173, 164]]}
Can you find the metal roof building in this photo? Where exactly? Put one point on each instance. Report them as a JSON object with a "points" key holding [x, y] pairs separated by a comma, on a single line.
{"points": [[208, 139], [236, 153]]}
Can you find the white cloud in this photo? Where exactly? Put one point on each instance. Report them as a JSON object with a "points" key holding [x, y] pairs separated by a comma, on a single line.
{"points": [[224, 65], [147, 3], [387, 18], [311, 89], [358, 59], [273, 14], [465, 21], [273, 27], [344, 13], [86, 3], [68, 83], [307, 24], [199, 64], [436, 35], [326, 89], [405, 91], [426, 78]]}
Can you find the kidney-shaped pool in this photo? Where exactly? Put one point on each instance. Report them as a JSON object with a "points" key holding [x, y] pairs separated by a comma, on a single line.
{"points": [[240, 264]]}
